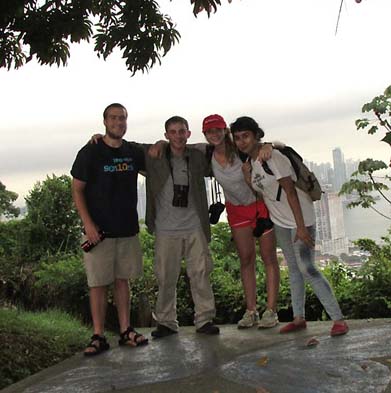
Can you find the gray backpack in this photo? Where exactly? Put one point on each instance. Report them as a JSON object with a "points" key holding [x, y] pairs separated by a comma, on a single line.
{"points": [[306, 180]]}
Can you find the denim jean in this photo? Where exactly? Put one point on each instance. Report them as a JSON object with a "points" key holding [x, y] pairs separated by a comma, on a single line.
{"points": [[301, 264]]}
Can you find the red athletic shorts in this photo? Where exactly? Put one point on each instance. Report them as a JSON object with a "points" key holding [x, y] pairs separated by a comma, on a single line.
{"points": [[240, 216]]}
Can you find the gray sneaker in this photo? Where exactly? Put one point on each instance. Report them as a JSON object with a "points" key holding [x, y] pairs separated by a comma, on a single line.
{"points": [[269, 319], [249, 319]]}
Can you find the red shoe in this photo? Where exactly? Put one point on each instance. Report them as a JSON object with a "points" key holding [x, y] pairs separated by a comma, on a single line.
{"points": [[339, 328], [294, 327]]}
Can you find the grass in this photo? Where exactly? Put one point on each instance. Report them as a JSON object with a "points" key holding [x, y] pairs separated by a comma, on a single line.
{"points": [[32, 341]]}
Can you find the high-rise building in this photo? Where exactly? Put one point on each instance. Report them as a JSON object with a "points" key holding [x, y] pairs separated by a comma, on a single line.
{"points": [[351, 166], [330, 227], [321, 171], [339, 169]]}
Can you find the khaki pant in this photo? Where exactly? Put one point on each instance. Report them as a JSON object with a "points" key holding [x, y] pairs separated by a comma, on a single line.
{"points": [[169, 252], [113, 258]]}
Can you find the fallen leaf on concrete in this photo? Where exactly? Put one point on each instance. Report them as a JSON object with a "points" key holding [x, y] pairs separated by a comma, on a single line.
{"points": [[312, 342], [263, 361], [364, 366], [261, 390]]}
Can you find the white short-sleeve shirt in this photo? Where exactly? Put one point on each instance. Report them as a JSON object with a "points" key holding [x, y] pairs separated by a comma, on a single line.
{"points": [[280, 211]]}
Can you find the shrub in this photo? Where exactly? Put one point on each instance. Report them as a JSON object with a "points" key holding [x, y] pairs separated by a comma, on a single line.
{"points": [[62, 283]]}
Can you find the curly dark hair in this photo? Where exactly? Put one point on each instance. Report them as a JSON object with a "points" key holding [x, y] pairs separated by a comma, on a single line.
{"points": [[245, 123]]}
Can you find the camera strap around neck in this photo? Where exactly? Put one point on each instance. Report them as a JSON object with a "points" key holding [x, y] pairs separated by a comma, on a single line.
{"points": [[186, 157]]}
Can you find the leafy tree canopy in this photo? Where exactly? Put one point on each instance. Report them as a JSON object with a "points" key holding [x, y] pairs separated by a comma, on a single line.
{"points": [[44, 29], [6, 202], [54, 222]]}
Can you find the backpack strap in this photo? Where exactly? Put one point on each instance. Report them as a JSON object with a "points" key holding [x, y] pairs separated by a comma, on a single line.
{"points": [[278, 198], [267, 169]]}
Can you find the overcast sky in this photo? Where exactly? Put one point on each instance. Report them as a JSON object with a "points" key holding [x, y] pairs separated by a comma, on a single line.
{"points": [[278, 61]]}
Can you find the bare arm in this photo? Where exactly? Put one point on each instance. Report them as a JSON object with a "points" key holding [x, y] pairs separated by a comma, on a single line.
{"points": [[95, 138], [156, 150], [265, 152], [90, 227], [302, 233]]}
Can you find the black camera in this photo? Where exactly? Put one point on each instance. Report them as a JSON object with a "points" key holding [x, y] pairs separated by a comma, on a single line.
{"points": [[215, 210], [181, 195], [262, 225]]}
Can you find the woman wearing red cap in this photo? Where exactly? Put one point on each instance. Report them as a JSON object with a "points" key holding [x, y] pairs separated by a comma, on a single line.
{"points": [[248, 217]]}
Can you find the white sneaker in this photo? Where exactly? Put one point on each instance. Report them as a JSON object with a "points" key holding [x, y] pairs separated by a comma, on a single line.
{"points": [[249, 319], [269, 319]]}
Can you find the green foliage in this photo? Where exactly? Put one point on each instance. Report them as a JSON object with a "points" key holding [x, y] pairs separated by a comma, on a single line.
{"points": [[6, 202], [228, 291], [364, 188], [342, 280], [52, 217], [372, 287], [44, 30], [363, 182], [364, 292], [51, 226], [61, 283], [380, 107], [222, 245], [34, 341], [205, 5], [147, 243], [14, 239], [16, 282]]}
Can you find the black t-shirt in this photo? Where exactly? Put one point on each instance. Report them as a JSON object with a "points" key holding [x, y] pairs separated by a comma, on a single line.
{"points": [[111, 185]]}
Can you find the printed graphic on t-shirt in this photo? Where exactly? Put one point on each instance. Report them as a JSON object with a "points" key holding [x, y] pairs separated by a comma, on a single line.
{"points": [[124, 164], [257, 180]]}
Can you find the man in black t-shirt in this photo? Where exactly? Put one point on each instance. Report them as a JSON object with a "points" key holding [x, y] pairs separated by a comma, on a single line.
{"points": [[105, 194]]}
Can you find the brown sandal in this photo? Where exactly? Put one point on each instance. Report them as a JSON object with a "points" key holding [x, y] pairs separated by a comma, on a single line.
{"points": [[126, 339], [102, 345]]}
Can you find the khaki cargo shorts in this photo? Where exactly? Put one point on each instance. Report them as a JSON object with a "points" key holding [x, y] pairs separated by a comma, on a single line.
{"points": [[113, 258]]}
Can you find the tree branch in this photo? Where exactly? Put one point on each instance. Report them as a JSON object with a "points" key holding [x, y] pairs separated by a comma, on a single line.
{"points": [[377, 188]]}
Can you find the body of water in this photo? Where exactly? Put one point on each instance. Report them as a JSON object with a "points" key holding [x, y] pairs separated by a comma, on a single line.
{"points": [[366, 223]]}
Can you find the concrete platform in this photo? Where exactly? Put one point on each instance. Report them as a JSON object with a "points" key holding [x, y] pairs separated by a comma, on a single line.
{"points": [[236, 361]]}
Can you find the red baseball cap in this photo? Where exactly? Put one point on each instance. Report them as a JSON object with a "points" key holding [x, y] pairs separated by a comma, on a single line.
{"points": [[213, 121]]}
